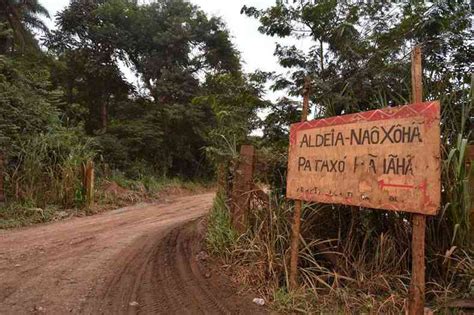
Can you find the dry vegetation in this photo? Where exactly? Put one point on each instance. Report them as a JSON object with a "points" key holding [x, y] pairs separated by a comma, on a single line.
{"points": [[112, 192], [354, 260], [347, 262]]}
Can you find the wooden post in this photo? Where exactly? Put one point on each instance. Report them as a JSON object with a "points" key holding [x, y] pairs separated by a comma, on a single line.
{"points": [[296, 226], [242, 187], [417, 286], [89, 183], [2, 191]]}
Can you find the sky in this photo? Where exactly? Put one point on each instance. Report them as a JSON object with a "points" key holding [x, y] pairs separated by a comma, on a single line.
{"points": [[256, 49]]}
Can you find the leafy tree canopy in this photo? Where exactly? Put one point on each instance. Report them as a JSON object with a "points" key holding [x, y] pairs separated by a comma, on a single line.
{"points": [[176, 51], [18, 19], [360, 52]]}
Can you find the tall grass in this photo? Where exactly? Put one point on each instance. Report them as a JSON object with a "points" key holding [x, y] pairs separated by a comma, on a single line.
{"points": [[345, 266], [220, 237], [454, 220], [153, 184], [47, 169], [356, 260], [43, 176], [262, 250], [352, 272]]}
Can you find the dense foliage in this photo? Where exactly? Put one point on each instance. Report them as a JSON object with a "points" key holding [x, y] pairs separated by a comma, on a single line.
{"points": [[171, 46], [359, 59], [74, 86], [65, 99]]}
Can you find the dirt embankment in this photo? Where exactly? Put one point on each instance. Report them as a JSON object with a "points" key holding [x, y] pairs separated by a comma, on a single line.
{"points": [[140, 259]]}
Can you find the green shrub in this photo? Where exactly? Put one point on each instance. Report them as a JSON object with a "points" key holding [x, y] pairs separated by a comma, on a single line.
{"points": [[220, 235], [20, 214], [48, 168], [43, 158]]}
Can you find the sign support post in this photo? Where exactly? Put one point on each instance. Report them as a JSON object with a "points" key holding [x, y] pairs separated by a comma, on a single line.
{"points": [[386, 159], [295, 228], [417, 286]]}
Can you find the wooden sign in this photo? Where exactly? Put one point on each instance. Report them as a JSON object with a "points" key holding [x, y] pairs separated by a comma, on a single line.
{"points": [[385, 159]]}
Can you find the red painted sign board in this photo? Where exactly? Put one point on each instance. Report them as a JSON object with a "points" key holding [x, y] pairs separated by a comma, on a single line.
{"points": [[384, 159]]}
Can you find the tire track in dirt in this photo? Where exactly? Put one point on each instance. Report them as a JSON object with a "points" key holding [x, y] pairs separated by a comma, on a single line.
{"points": [[171, 279], [144, 259]]}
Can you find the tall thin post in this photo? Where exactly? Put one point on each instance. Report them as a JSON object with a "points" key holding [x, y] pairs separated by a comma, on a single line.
{"points": [[89, 183], [295, 229], [417, 286], [242, 186]]}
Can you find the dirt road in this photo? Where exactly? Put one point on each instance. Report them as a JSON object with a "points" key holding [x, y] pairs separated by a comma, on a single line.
{"points": [[141, 259]]}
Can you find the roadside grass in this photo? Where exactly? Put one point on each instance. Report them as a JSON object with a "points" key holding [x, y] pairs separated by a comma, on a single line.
{"points": [[152, 184], [358, 260], [220, 237], [21, 214], [290, 302], [113, 192], [352, 267]]}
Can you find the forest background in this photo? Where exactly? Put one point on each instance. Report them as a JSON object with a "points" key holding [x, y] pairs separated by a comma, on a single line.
{"points": [[64, 101]]}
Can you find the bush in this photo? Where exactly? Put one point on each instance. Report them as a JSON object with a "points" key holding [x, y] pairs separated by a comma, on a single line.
{"points": [[220, 235], [43, 158], [47, 169], [20, 214]]}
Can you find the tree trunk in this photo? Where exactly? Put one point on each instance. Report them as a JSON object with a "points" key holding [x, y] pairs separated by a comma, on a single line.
{"points": [[103, 116]]}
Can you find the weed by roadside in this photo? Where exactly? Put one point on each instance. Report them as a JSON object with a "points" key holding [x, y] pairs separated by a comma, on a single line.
{"points": [[17, 215], [152, 184], [358, 260], [220, 236], [349, 269], [111, 193]]}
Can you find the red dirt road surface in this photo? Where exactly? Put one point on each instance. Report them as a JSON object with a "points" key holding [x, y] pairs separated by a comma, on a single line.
{"points": [[142, 259]]}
